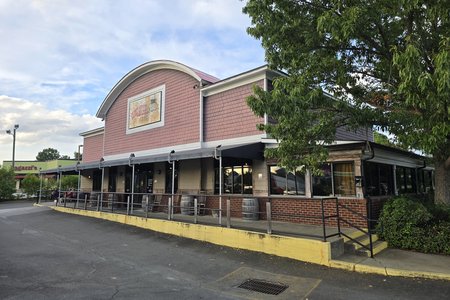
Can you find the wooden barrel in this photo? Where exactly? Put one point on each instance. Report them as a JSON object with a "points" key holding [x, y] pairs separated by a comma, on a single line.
{"points": [[187, 205], [250, 209]]}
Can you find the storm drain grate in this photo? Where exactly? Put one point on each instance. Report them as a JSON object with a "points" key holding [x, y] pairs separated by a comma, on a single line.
{"points": [[263, 286]]}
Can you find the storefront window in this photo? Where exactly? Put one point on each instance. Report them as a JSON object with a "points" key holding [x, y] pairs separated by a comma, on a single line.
{"points": [[286, 183], [237, 178], [406, 180], [337, 179], [344, 179], [322, 185], [378, 179]]}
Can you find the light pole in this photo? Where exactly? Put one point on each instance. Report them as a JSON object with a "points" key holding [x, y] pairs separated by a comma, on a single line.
{"points": [[13, 133]]}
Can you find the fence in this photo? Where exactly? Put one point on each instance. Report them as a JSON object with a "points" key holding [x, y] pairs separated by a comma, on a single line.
{"points": [[320, 218]]}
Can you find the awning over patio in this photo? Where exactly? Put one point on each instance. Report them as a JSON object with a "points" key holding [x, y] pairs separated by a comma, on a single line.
{"points": [[248, 151]]}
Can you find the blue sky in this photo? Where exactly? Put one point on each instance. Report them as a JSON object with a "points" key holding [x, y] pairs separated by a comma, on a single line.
{"points": [[59, 59]]}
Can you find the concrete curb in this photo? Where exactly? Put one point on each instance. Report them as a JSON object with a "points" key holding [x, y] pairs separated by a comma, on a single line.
{"points": [[386, 271], [306, 250]]}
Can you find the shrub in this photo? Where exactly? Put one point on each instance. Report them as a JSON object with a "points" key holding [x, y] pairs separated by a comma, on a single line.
{"points": [[408, 224], [30, 184], [7, 183]]}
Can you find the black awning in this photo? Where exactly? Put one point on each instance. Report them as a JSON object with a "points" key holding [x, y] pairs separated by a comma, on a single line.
{"points": [[247, 151]]}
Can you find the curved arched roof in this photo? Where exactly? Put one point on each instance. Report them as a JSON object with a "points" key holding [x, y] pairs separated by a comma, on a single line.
{"points": [[144, 69]]}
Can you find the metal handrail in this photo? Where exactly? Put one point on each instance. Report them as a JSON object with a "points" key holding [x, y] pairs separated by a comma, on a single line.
{"points": [[368, 233]]}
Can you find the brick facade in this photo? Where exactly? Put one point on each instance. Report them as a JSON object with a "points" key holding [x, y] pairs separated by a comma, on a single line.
{"points": [[299, 210]]}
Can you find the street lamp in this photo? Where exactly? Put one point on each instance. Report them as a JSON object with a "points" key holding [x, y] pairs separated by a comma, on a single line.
{"points": [[13, 133]]}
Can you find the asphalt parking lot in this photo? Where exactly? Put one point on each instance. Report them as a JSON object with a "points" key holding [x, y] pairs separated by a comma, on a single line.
{"points": [[45, 254]]}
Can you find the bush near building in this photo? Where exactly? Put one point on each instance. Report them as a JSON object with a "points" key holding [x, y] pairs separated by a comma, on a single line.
{"points": [[408, 223], [7, 183], [30, 184]]}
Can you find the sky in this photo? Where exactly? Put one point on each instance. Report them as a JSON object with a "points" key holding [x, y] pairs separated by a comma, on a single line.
{"points": [[59, 59]]}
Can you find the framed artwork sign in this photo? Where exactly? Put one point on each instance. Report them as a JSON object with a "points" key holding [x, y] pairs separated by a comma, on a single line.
{"points": [[146, 110]]}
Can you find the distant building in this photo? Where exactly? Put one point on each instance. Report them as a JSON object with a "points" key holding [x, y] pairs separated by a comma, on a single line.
{"points": [[24, 167]]}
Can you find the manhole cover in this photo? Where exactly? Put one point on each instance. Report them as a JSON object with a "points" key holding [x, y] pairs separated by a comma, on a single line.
{"points": [[263, 286]]}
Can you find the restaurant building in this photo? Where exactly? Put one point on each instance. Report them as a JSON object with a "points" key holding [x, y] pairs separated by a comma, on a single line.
{"points": [[171, 129]]}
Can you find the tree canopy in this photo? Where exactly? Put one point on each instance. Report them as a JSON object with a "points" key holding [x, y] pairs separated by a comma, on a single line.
{"points": [[385, 63], [50, 154]]}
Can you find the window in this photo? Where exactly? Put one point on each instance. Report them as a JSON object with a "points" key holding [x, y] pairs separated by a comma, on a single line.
{"points": [[283, 182], [344, 179], [379, 179], [322, 185], [406, 180], [337, 179], [236, 177]]}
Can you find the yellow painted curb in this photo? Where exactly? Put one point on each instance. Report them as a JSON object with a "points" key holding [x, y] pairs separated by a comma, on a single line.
{"points": [[307, 250], [370, 269], [424, 274], [343, 265]]}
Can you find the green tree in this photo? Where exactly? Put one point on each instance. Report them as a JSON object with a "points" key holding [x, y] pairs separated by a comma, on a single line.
{"points": [[47, 154], [30, 184], [77, 155], [69, 182], [64, 157], [7, 183], [386, 63], [384, 140]]}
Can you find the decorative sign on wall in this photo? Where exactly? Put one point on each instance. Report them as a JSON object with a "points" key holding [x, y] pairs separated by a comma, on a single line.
{"points": [[146, 110]]}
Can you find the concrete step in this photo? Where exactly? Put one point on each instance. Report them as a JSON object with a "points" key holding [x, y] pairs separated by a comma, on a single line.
{"points": [[355, 248]]}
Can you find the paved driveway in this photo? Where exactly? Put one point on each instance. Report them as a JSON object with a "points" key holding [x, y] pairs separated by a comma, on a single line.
{"points": [[50, 255]]}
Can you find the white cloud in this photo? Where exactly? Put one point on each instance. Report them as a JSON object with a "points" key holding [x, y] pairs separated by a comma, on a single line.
{"points": [[40, 128]]}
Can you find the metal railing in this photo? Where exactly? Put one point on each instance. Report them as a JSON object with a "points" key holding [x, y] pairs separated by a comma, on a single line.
{"points": [[326, 219], [367, 219]]}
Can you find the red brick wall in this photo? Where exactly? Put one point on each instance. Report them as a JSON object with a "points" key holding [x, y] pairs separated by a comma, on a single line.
{"points": [[227, 114], [181, 124], [92, 148], [296, 210]]}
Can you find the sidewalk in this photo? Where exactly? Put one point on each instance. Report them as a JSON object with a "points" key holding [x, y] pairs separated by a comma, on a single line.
{"points": [[390, 262], [396, 262]]}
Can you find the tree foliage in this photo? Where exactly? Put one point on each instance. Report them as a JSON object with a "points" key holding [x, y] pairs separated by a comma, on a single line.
{"points": [[30, 184], [386, 63], [69, 182], [7, 183], [48, 154]]}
